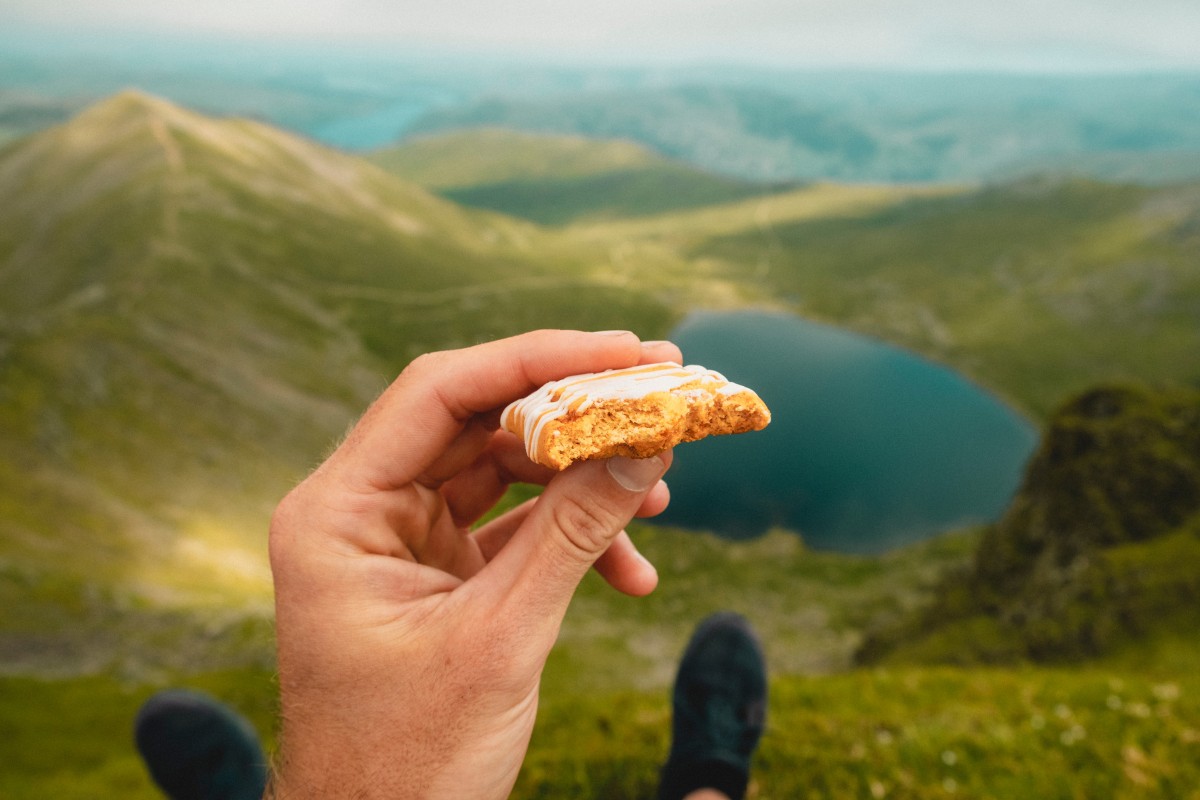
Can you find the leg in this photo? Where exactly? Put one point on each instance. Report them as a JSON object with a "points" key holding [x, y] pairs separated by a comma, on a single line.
{"points": [[196, 748], [719, 711]]}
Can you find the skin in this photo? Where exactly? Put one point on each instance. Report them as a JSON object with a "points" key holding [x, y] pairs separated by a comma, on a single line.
{"points": [[410, 647]]}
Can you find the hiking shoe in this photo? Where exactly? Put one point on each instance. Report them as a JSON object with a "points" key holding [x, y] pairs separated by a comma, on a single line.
{"points": [[719, 709], [196, 748]]}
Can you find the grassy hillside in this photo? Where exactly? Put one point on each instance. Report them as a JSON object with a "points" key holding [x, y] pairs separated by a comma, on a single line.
{"points": [[1035, 289], [193, 310], [1097, 552], [555, 180]]}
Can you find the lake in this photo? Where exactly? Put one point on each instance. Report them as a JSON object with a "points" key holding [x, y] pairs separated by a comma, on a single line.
{"points": [[381, 127], [870, 446]]}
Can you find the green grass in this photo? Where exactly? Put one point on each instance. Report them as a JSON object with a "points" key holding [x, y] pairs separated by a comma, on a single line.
{"points": [[910, 732], [907, 732], [812, 606], [1127, 726], [73, 738]]}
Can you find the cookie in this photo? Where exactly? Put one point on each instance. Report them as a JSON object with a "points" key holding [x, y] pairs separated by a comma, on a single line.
{"points": [[636, 412]]}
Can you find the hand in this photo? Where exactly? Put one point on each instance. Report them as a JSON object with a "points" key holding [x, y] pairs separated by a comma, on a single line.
{"points": [[410, 650]]}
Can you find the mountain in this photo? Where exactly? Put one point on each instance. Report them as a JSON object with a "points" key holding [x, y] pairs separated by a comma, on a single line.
{"points": [[555, 180], [1098, 551], [194, 308]]}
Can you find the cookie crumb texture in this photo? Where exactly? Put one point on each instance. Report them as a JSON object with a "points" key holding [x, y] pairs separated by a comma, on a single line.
{"points": [[638, 412]]}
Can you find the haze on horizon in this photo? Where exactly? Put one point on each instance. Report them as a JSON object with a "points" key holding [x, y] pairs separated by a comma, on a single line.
{"points": [[1025, 35]]}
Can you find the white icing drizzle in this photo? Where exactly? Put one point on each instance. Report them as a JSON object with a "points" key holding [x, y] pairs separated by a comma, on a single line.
{"points": [[530, 416]]}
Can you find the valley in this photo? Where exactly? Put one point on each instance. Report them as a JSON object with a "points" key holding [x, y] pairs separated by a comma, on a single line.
{"points": [[195, 308]]}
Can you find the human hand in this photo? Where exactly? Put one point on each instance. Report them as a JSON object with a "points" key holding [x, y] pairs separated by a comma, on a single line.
{"points": [[411, 650]]}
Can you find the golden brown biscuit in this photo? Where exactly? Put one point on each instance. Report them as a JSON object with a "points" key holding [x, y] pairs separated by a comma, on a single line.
{"points": [[637, 412]]}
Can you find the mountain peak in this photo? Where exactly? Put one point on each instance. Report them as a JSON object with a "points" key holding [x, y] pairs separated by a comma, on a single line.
{"points": [[133, 99], [130, 106], [157, 177], [134, 137]]}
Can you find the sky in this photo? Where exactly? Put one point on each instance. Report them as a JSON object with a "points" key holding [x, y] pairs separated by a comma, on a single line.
{"points": [[1067, 35]]}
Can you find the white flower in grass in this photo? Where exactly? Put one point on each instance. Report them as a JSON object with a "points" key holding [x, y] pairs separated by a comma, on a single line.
{"points": [[1073, 734], [1167, 692]]}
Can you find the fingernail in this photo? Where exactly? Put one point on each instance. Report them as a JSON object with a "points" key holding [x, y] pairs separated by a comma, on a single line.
{"points": [[636, 474], [613, 333]]}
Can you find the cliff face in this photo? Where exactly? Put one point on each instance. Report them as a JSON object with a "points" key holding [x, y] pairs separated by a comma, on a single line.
{"points": [[1117, 465], [1100, 545]]}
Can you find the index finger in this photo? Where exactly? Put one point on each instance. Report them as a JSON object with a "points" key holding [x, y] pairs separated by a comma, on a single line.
{"points": [[425, 408]]}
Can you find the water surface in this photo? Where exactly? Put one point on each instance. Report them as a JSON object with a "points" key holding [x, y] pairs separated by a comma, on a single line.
{"points": [[870, 446], [383, 126]]}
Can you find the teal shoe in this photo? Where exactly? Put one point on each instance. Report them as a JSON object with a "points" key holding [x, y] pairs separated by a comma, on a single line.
{"points": [[719, 709], [196, 748]]}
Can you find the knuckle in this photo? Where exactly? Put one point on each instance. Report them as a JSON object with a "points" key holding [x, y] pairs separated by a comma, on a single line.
{"points": [[426, 363], [282, 521], [293, 517], [587, 528]]}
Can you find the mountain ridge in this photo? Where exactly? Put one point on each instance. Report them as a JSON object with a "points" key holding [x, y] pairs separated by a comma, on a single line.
{"points": [[171, 353], [195, 308]]}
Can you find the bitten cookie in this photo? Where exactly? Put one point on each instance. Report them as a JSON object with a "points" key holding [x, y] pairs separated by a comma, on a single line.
{"points": [[637, 412]]}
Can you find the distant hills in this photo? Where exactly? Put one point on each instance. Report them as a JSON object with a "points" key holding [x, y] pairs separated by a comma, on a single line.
{"points": [[880, 127], [555, 179], [753, 125]]}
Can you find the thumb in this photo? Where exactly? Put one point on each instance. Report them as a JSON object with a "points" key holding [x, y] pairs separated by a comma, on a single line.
{"points": [[572, 524]]}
